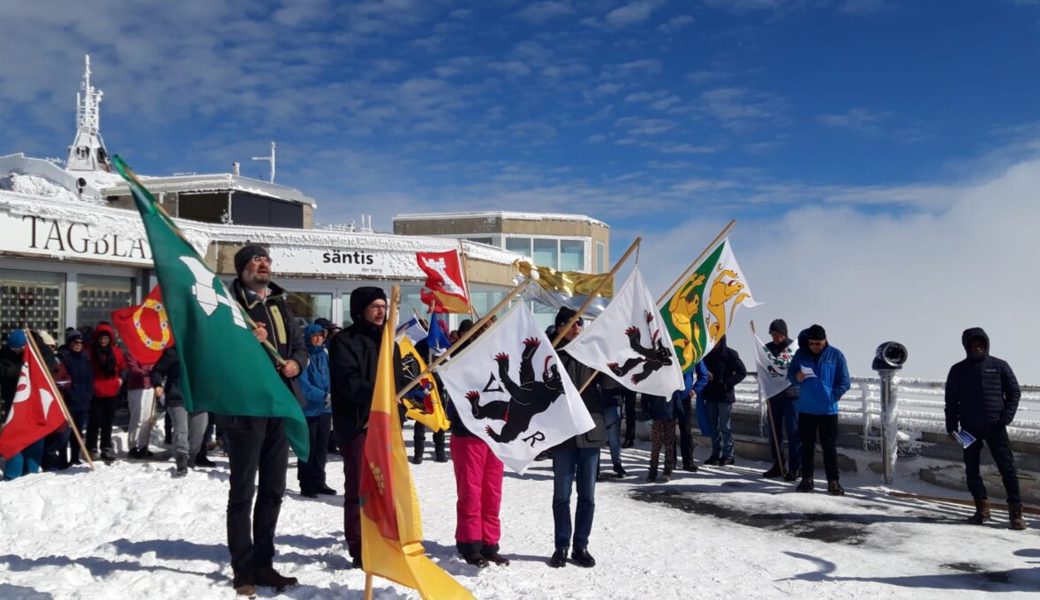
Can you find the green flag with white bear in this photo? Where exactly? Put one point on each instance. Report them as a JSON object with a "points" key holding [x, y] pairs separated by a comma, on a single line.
{"points": [[224, 369]]}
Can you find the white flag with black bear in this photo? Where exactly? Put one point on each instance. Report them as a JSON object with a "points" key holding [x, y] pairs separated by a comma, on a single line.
{"points": [[629, 342], [511, 391]]}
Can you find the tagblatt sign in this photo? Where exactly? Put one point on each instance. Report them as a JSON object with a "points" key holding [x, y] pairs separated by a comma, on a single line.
{"points": [[343, 261], [58, 238]]}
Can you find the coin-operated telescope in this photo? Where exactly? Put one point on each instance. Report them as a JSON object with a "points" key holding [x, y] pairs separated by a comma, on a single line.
{"points": [[889, 358]]}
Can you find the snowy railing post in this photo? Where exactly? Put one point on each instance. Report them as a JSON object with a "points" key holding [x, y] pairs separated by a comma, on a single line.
{"points": [[864, 396], [889, 358]]}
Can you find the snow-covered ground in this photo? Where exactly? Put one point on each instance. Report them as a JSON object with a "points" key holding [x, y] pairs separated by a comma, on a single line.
{"points": [[130, 531]]}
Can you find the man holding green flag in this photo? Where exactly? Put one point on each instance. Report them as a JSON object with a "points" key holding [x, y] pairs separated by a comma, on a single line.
{"points": [[226, 371]]}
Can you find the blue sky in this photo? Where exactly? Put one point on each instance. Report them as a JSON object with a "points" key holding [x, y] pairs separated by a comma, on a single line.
{"points": [[805, 120]]}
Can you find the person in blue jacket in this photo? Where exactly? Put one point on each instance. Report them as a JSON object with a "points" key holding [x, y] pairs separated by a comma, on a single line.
{"points": [[316, 387], [821, 371]]}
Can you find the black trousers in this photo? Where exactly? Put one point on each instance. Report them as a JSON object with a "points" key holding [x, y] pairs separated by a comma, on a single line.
{"points": [[311, 474], [685, 421], [102, 410], [630, 416], [826, 427], [1000, 449], [420, 439], [255, 445]]}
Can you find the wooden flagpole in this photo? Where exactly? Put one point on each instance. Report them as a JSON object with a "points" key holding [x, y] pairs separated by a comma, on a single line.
{"points": [[61, 401], [769, 411], [592, 296], [465, 336], [722, 234]]}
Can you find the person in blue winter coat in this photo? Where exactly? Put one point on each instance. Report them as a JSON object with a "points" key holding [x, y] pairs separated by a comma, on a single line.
{"points": [[77, 386], [821, 371], [316, 387]]}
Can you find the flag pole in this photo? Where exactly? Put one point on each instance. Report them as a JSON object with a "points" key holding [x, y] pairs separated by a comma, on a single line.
{"points": [[368, 586], [722, 234], [465, 336], [592, 296], [465, 280], [61, 400]]}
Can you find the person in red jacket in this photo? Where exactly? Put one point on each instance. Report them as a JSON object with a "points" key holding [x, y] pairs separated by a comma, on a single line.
{"points": [[108, 364]]}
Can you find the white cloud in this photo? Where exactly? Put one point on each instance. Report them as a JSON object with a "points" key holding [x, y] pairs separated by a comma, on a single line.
{"points": [[856, 119], [741, 108], [540, 12], [632, 13], [676, 23]]}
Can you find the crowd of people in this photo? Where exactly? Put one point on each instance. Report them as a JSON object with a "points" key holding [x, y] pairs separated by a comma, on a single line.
{"points": [[332, 372]]}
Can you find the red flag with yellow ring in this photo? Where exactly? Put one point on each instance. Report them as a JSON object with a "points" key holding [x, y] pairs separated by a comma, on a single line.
{"points": [[145, 329]]}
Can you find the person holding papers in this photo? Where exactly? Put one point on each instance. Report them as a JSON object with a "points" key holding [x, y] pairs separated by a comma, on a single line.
{"points": [[823, 375], [981, 400]]}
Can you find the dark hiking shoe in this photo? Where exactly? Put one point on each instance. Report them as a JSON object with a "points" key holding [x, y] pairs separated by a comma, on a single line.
{"points": [[791, 476], [476, 560], [582, 558], [309, 493], [243, 586], [773, 471], [1015, 514], [690, 466], [496, 558], [665, 478], [651, 476], [326, 490], [725, 462], [559, 558], [108, 455], [416, 460], [628, 443], [440, 456], [133, 454], [619, 471], [981, 512], [834, 488], [268, 577], [712, 460], [202, 461], [806, 485]]}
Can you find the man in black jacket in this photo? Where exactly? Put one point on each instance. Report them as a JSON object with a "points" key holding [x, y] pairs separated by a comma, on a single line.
{"points": [[725, 371], [353, 360], [258, 444], [576, 461], [981, 398]]}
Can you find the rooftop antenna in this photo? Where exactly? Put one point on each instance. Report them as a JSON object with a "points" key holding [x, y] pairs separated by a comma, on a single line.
{"points": [[87, 152], [270, 159]]}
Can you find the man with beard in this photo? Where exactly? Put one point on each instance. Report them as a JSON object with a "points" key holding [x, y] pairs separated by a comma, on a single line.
{"points": [[353, 360], [259, 444]]}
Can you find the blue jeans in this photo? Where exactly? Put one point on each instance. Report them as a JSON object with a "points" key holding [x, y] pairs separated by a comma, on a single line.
{"points": [[719, 416], [570, 464], [783, 422], [612, 416]]}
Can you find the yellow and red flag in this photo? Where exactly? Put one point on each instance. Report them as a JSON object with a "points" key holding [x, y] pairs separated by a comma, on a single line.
{"points": [[145, 329], [391, 527], [445, 287]]}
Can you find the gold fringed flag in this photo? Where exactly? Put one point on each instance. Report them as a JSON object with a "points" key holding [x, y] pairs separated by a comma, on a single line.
{"points": [[702, 308], [391, 528], [565, 288]]}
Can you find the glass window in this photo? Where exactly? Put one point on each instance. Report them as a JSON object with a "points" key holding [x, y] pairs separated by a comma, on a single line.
{"points": [[310, 306], [601, 257], [99, 296], [520, 245], [481, 240], [572, 255], [34, 300], [410, 301], [345, 299], [546, 253]]}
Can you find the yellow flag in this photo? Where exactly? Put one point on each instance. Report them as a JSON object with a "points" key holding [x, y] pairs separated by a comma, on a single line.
{"points": [[423, 403], [391, 527]]}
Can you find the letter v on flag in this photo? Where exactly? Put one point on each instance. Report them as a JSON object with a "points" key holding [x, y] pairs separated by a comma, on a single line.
{"points": [[223, 368], [391, 527], [36, 410]]}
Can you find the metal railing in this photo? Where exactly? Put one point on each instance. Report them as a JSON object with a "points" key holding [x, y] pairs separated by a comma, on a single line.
{"points": [[919, 408]]}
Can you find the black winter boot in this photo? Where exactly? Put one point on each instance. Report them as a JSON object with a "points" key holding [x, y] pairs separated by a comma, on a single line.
{"points": [[773, 471], [806, 485], [182, 465]]}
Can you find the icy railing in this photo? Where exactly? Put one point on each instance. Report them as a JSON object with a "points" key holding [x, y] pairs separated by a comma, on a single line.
{"points": [[919, 408]]}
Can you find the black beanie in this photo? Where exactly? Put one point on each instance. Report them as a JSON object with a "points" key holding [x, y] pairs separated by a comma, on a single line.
{"points": [[816, 332], [246, 254], [565, 315], [361, 298], [779, 326]]}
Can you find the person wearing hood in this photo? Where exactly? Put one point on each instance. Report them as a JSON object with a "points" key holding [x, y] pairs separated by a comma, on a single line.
{"points": [[782, 408], [316, 386], [982, 397], [725, 371], [108, 365], [353, 361], [576, 460], [259, 444], [823, 375]]}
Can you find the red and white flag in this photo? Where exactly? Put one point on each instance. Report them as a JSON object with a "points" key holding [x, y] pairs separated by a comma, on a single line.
{"points": [[36, 410], [445, 287], [145, 329]]}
